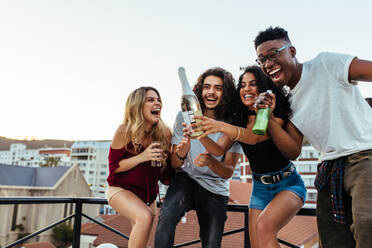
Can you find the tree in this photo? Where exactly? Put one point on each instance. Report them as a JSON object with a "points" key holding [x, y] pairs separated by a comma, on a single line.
{"points": [[51, 162], [63, 235]]}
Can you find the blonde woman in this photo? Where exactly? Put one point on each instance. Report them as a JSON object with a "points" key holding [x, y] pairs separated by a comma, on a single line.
{"points": [[133, 181]]}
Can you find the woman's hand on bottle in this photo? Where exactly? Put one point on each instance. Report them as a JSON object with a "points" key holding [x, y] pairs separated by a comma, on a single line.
{"points": [[266, 100], [207, 125]]}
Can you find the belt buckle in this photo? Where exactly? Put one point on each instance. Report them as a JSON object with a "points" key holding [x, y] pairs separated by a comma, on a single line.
{"points": [[287, 173], [263, 177]]}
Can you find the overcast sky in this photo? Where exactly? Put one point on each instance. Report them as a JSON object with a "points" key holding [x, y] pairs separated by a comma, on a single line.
{"points": [[67, 67]]}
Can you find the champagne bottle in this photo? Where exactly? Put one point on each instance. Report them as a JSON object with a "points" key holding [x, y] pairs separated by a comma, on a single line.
{"points": [[189, 102], [262, 119]]}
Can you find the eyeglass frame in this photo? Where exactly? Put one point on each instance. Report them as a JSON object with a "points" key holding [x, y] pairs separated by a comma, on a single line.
{"points": [[270, 56]]}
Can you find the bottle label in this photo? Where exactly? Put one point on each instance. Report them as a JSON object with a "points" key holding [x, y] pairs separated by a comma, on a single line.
{"points": [[188, 117]]}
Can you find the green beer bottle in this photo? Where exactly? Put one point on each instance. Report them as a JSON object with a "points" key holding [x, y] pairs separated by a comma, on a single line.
{"points": [[262, 119]]}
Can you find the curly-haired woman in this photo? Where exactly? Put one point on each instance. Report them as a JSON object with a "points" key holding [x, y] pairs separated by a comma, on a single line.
{"points": [[278, 190]]}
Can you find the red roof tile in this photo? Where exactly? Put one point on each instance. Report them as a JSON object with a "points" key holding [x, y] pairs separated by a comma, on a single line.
{"points": [[240, 192], [45, 244]]}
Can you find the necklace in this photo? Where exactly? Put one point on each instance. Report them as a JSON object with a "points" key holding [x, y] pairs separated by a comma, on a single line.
{"points": [[137, 144]]}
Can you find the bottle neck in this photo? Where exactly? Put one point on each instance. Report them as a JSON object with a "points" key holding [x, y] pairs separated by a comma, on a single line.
{"points": [[185, 84], [186, 89]]}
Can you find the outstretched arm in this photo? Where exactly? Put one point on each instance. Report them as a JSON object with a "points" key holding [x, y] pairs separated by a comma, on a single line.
{"points": [[235, 133], [360, 70], [216, 148]]}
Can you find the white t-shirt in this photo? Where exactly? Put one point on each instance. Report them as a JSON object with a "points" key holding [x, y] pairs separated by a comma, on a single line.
{"points": [[203, 175], [329, 110]]}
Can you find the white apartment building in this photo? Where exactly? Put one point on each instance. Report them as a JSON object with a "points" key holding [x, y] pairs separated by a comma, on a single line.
{"points": [[306, 165], [92, 159], [61, 155], [18, 154]]}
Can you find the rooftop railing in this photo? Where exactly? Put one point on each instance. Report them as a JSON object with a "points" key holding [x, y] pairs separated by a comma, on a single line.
{"points": [[77, 216]]}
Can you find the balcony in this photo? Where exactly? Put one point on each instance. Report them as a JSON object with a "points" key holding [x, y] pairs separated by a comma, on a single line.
{"points": [[78, 214]]}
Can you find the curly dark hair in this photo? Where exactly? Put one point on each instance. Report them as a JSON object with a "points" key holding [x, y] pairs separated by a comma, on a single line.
{"points": [[271, 33], [228, 99], [264, 83]]}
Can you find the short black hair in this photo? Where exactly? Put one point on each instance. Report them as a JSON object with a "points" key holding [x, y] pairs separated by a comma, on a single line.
{"points": [[271, 33]]}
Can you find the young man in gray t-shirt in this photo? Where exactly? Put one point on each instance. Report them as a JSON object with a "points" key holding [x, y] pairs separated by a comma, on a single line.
{"points": [[201, 181]]}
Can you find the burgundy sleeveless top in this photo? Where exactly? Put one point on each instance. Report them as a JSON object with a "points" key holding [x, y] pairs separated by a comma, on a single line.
{"points": [[142, 179]]}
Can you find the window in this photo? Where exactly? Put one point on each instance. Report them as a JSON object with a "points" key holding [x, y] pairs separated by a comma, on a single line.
{"points": [[308, 181], [311, 196]]}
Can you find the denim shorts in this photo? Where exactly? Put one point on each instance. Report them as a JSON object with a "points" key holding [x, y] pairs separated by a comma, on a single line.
{"points": [[263, 194]]}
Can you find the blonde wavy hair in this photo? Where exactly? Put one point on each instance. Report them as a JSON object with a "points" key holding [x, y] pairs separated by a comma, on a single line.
{"points": [[134, 120]]}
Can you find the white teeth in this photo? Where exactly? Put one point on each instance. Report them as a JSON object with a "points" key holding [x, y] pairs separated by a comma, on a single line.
{"points": [[274, 71], [248, 96], [155, 111]]}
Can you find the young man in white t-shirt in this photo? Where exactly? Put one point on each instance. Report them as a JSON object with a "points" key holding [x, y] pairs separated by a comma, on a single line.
{"points": [[330, 112]]}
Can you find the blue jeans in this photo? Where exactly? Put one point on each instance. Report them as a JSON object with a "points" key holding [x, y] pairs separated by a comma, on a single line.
{"points": [[185, 194], [263, 194]]}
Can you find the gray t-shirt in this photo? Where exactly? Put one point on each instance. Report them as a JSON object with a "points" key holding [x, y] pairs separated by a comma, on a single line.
{"points": [[203, 175]]}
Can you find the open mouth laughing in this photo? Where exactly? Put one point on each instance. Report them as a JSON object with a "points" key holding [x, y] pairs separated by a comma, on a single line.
{"points": [[156, 112], [249, 96], [210, 100], [275, 74]]}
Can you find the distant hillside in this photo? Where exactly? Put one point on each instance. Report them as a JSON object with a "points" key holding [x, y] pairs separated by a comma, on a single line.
{"points": [[35, 144]]}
